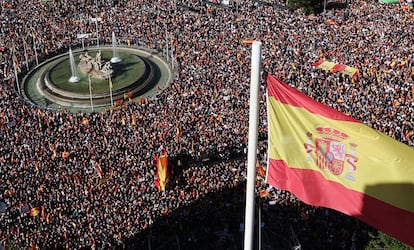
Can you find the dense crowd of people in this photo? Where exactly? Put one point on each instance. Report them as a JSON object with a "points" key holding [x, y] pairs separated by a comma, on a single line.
{"points": [[49, 158]]}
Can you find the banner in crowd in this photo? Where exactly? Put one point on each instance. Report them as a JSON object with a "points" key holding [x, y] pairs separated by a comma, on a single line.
{"points": [[336, 67], [162, 171], [329, 159]]}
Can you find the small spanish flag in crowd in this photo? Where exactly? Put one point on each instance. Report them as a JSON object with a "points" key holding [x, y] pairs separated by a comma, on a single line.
{"points": [[162, 171], [128, 95], [65, 154], [143, 100], [118, 102], [260, 170], [133, 119], [177, 132], [85, 121], [264, 193], [34, 211]]}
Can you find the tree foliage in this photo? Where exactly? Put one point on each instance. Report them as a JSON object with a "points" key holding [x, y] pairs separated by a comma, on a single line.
{"points": [[383, 241], [309, 6]]}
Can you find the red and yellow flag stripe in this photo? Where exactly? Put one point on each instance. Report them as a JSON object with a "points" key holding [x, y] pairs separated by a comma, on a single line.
{"points": [[329, 159], [162, 171], [336, 67]]}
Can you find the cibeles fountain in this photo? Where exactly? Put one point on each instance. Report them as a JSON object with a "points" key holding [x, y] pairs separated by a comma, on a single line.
{"points": [[96, 78]]}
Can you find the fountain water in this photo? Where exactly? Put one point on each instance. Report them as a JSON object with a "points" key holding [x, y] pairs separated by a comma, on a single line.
{"points": [[115, 58], [74, 77]]}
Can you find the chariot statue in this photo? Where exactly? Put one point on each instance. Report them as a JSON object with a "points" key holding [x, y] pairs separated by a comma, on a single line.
{"points": [[95, 67]]}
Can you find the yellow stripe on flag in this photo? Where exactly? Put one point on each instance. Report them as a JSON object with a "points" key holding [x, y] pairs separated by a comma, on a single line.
{"points": [[350, 71], [326, 65]]}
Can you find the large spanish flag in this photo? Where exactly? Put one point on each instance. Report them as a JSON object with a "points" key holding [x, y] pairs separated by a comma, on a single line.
{"points": [[329, 159], [162, 171]]}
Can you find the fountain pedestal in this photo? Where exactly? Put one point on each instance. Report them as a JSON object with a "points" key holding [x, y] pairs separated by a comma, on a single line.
{"points": [[94, 67], [115, 60], [73, 79]]}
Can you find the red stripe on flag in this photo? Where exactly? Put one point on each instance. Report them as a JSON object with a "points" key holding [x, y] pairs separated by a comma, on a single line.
{"points": [[394, 221], [289, 95], [317, 63], [338, 67]]}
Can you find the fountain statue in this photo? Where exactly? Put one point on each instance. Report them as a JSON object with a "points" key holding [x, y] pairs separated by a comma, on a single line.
{"points": [[115, 58], [74, 77], [95, 67]]}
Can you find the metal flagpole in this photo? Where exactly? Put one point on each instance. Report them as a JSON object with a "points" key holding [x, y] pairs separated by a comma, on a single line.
{"points": [[166, 42], [82, 32], [252, 148], [110, 90], [34, 48], [15, 67], [90, 91], [259, 229], [96, 20], [25, 55], [15, 73], [97, 32], [172, 52]]}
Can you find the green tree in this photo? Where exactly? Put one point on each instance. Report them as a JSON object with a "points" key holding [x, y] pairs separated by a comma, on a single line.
{"points": [[383, 241], [309, 6]]}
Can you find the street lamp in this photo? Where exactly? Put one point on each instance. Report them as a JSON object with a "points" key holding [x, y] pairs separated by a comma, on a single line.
{"points": [[96, 20], [83, 36]]}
